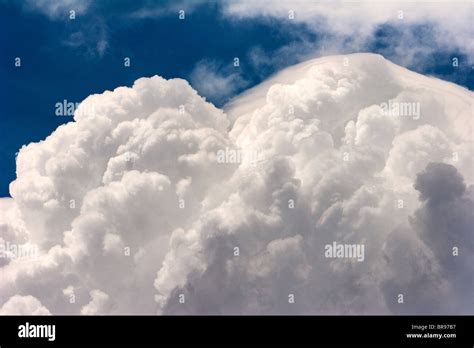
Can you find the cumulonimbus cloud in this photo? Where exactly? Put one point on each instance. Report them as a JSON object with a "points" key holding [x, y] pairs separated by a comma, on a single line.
{"points": [[155, 201]]}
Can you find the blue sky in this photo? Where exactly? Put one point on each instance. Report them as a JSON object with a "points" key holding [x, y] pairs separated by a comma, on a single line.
{"points": [[64, 59]]}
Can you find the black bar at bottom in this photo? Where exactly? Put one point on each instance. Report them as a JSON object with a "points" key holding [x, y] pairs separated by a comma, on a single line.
{"points": [[449, 331]]}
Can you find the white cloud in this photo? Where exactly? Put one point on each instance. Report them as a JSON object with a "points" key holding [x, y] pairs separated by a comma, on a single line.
{"points": [[349, 26], [23, 305], [157, 217], [128, 163], [99, 304], [157, 10], [353, 201]]}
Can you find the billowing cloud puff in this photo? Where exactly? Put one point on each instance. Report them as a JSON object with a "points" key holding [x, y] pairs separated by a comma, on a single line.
{"points": [[101, 195], [98, 303], [23, 305], [154, 201]]}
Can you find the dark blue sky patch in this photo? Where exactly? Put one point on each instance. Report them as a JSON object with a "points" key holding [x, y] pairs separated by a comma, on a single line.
{"points": [[430, 57]]}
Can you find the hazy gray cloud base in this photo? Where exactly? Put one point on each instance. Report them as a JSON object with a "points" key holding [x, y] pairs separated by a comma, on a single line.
{"points": [[134, 212]]}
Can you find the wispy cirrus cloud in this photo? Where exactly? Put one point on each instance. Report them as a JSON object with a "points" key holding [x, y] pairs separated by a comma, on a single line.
{"points": [[216, 80], [414, 31], [153, 9], [57, 9], [90, 33], [92, 38]]}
